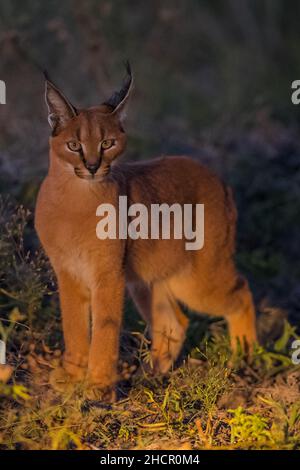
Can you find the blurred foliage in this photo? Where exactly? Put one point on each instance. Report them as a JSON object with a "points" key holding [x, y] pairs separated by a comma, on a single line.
{"points": [[202, 68], [22, 272]]}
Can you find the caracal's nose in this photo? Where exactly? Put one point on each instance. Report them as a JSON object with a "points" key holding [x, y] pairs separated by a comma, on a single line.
{"points": [[92, 167]]}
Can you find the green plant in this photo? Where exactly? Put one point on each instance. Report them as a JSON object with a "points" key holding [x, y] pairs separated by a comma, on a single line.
{"points": [[248, 428]]}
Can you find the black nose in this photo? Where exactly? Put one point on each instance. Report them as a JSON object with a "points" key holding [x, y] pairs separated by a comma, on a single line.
{"points": [[92, 167]]}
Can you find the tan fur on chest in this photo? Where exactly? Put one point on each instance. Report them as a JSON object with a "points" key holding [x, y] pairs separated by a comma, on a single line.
{"points": [[66, 222]]}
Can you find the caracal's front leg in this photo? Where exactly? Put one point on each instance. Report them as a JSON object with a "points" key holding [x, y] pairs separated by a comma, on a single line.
{"points": [[107, 307], [75, 304]]}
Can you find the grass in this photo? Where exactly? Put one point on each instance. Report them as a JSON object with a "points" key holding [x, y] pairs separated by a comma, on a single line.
{"points": [[195, 407]]}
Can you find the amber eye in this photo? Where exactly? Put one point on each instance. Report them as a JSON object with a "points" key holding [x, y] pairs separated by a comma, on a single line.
{"points": [[106, 144], [74, 146]]}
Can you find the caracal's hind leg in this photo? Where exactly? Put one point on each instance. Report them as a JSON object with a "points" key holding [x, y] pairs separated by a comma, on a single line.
{"points": [[141, 295], [221, 291], [231, 297], [167, 322], [240, 315], [169, 325]]}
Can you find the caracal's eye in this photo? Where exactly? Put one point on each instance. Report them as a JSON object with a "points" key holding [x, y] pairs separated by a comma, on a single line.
{"points": [[74, 146], [107, 143]]}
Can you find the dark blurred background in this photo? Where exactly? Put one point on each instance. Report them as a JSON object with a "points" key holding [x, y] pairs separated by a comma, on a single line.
{"points": [[212, 80]]}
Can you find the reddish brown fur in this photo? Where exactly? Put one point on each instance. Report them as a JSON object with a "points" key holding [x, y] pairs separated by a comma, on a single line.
{"points": [[92, 273]]}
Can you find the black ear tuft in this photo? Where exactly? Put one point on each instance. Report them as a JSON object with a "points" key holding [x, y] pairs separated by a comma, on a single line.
{"points": [[46, 76], [119, 98]]}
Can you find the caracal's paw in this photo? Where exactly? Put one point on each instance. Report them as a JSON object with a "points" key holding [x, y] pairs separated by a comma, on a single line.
{"points": [[163, 363], [101, 387], [76, 373], [75, 366], [97, 392], [62, 381], [242, 346], [166, 349]]}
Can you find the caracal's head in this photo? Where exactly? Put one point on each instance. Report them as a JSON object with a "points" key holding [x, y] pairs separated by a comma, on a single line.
{"points": [[87, 141]]}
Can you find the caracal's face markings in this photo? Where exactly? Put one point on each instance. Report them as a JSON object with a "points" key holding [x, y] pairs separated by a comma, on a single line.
{"points": [[90, 143], [87, 141]]}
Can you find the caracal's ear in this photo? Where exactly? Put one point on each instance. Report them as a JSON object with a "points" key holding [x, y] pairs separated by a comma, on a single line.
{"points": [[60, 110], [118, 100]]}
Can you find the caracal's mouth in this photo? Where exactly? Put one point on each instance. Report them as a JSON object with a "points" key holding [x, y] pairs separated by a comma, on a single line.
{"points": [[89, 177]]}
